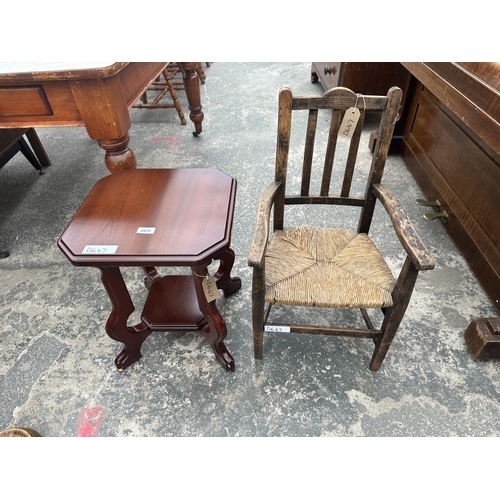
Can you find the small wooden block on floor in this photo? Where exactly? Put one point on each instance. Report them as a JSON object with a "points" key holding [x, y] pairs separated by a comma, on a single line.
{"points": [[483, 338]]}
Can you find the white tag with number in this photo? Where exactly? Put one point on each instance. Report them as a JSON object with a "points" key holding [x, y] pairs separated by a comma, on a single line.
{"points": [[99, 249], [349, 123], [146, 230], [272, 328], [210, 288]]}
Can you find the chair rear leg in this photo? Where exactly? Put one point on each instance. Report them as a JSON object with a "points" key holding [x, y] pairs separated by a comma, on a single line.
{"points": [[394, 315]]}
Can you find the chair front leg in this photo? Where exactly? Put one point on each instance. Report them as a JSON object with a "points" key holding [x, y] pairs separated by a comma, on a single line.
{"points": [[258, 291], [394, 315]]}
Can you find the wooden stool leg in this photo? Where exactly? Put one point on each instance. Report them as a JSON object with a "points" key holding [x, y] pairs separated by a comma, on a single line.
{"points": [[28, 154], [116, 326], [38, 148], [223, 275], [215, 330]]}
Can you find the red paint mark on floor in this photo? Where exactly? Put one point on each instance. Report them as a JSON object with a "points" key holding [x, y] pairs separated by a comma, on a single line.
{"points": [[171, 140], [90, 421]]}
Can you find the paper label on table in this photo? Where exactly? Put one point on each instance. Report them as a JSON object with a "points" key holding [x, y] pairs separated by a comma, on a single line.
{"points": [[349, 123], [146, 230], [99, 249], [273, 328], [210, 288]]}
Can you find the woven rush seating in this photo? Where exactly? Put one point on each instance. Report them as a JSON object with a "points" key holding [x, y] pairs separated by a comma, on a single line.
{"points": [[326, 268]]}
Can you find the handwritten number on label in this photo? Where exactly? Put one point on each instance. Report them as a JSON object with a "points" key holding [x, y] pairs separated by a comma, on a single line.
{"points": [[99, 249], [349, 123]]}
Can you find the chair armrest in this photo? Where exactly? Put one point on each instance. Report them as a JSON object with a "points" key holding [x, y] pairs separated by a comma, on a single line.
{"points": [[414, 246], [261, 233]]}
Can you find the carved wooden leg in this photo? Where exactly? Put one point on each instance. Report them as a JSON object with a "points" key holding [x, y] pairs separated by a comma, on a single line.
{"points": [[118, 155], [192, 88], [223, 275], [215, 330], [104, 110], [394, 315], [116, 326]]}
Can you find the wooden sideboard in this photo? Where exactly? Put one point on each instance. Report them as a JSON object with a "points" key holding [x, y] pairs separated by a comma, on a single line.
{"points": [[451, 145]]}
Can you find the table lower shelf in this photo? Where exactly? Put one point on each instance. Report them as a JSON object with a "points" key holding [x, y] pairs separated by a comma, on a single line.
{"points": [[172, 305]]}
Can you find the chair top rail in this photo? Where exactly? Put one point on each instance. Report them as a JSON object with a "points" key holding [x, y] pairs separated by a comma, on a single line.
{"points": [[339, 98]]}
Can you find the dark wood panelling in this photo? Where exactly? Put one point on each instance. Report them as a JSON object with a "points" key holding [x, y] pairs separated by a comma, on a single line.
{"points": [[455, 160]]}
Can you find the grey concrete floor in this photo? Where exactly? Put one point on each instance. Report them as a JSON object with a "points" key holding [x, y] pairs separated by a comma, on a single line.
{"points": [[56, 362]]}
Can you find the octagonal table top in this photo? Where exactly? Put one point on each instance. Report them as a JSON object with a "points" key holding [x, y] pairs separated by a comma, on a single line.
{"points": [[158, 217]]}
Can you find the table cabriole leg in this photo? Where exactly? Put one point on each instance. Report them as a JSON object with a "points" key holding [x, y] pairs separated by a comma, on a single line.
{"points": [[116, 326], [223, 275], [215, 330]]}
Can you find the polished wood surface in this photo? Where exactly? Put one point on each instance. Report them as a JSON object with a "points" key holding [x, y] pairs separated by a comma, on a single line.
{"points": [[98, 98], [159, 217], [179, 203], [452, 147]]}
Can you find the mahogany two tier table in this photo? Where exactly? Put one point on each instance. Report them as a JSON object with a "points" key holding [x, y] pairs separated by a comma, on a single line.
{"points": [[153, 218]]}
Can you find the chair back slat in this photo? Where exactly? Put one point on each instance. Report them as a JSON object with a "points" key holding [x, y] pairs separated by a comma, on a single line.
{"points": [[353, 154], [309, 151], [338, 100], [330, 151]]}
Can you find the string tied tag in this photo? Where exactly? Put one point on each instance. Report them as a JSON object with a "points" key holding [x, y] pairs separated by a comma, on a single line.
{"points": [[351, 118], [209, 286]]}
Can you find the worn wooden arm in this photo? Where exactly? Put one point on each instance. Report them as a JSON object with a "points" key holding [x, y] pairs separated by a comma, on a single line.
{"points": [[414, 246], [261, 234]]}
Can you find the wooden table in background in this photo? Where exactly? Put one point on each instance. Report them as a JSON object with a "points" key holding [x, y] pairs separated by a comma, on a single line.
{"points": [[98, 97]]}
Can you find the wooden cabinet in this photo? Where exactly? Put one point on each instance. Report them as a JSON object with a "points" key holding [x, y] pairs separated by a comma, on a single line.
{"points": [[328, 73], [374, 78], [449, 136], [369, 78], [451, 146]]}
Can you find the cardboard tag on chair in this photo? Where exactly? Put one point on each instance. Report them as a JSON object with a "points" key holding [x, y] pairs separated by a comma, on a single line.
{"points": [[349, 123], [210, 288]]}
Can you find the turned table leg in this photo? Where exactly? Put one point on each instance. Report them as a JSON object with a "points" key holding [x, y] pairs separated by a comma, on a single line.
{"points": [[192, 87], [215, 330], [116, 326], [103, 108], [118, 156]]}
